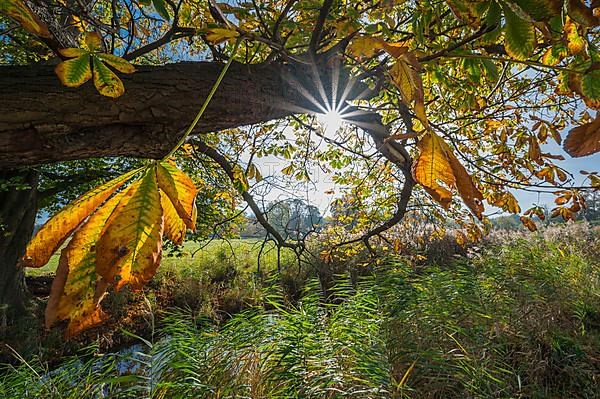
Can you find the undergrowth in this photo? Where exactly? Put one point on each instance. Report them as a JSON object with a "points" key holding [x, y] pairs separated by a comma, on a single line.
{"points": [[518, 318]]}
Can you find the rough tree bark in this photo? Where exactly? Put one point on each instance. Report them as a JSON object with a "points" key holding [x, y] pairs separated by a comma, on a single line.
{"points": [[17, 219], [42, 122]]}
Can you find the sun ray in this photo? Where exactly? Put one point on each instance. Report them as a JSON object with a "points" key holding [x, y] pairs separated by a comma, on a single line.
{"points": [[306, 94], [335, 81], [319, 84]]}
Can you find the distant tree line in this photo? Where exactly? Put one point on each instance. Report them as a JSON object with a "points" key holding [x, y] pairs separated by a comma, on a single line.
{"points": [[292, 218]]}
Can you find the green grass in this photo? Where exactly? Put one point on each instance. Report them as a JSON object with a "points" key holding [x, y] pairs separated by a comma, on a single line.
{"points": [[517, 318], [194, 256]]}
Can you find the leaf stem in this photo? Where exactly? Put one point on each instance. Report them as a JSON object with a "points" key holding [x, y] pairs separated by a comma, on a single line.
{"points": [[205, 104]]}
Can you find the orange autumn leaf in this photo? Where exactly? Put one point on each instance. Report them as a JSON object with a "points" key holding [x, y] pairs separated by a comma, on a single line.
{"points": [[396, 50], [56, 230], [437, 164], [180, 189], [174, 225], [405, 77], [471, 196], [507, 202], [77, 289], [130, 246], [365, 46], [432, 167], [528, 222]]}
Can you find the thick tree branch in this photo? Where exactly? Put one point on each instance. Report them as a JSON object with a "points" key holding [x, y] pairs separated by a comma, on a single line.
{"points": [[174, 33], [317, 32], [395, 153], [43, 122]]}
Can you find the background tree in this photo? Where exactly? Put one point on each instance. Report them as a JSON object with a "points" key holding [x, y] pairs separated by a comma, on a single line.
{"points": [[592, 209], [294, 218]]}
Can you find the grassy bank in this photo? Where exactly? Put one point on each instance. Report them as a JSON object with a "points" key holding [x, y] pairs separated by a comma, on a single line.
{"points": [[517, 318], [243, 254]]}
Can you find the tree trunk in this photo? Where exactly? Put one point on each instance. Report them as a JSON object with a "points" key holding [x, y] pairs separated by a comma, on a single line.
{"points": [[42, 121], [18, 209]]}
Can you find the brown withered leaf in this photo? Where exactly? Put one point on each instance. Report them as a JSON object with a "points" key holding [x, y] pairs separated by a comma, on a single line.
{"points": [[584, 140], [528, 222]]}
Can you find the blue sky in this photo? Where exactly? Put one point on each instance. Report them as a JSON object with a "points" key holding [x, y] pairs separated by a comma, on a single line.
{"points": [[590, 163]]}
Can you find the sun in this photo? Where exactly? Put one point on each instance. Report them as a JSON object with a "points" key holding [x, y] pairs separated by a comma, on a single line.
{"points": [[331, 121]]}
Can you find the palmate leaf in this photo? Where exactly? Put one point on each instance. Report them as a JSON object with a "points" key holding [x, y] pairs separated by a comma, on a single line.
{"points": [[181, 191], [437, 164], [20, 12], [519, 35], [77, 71], [56, 230], [120, 243], [77, 289], [107, 83], [130, 245]]}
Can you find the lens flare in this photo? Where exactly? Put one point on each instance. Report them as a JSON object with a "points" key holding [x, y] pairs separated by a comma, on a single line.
{"points": [[331, 121]]}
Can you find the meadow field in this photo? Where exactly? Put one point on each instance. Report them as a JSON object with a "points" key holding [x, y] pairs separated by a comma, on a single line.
{"points": [[515, 317]]}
